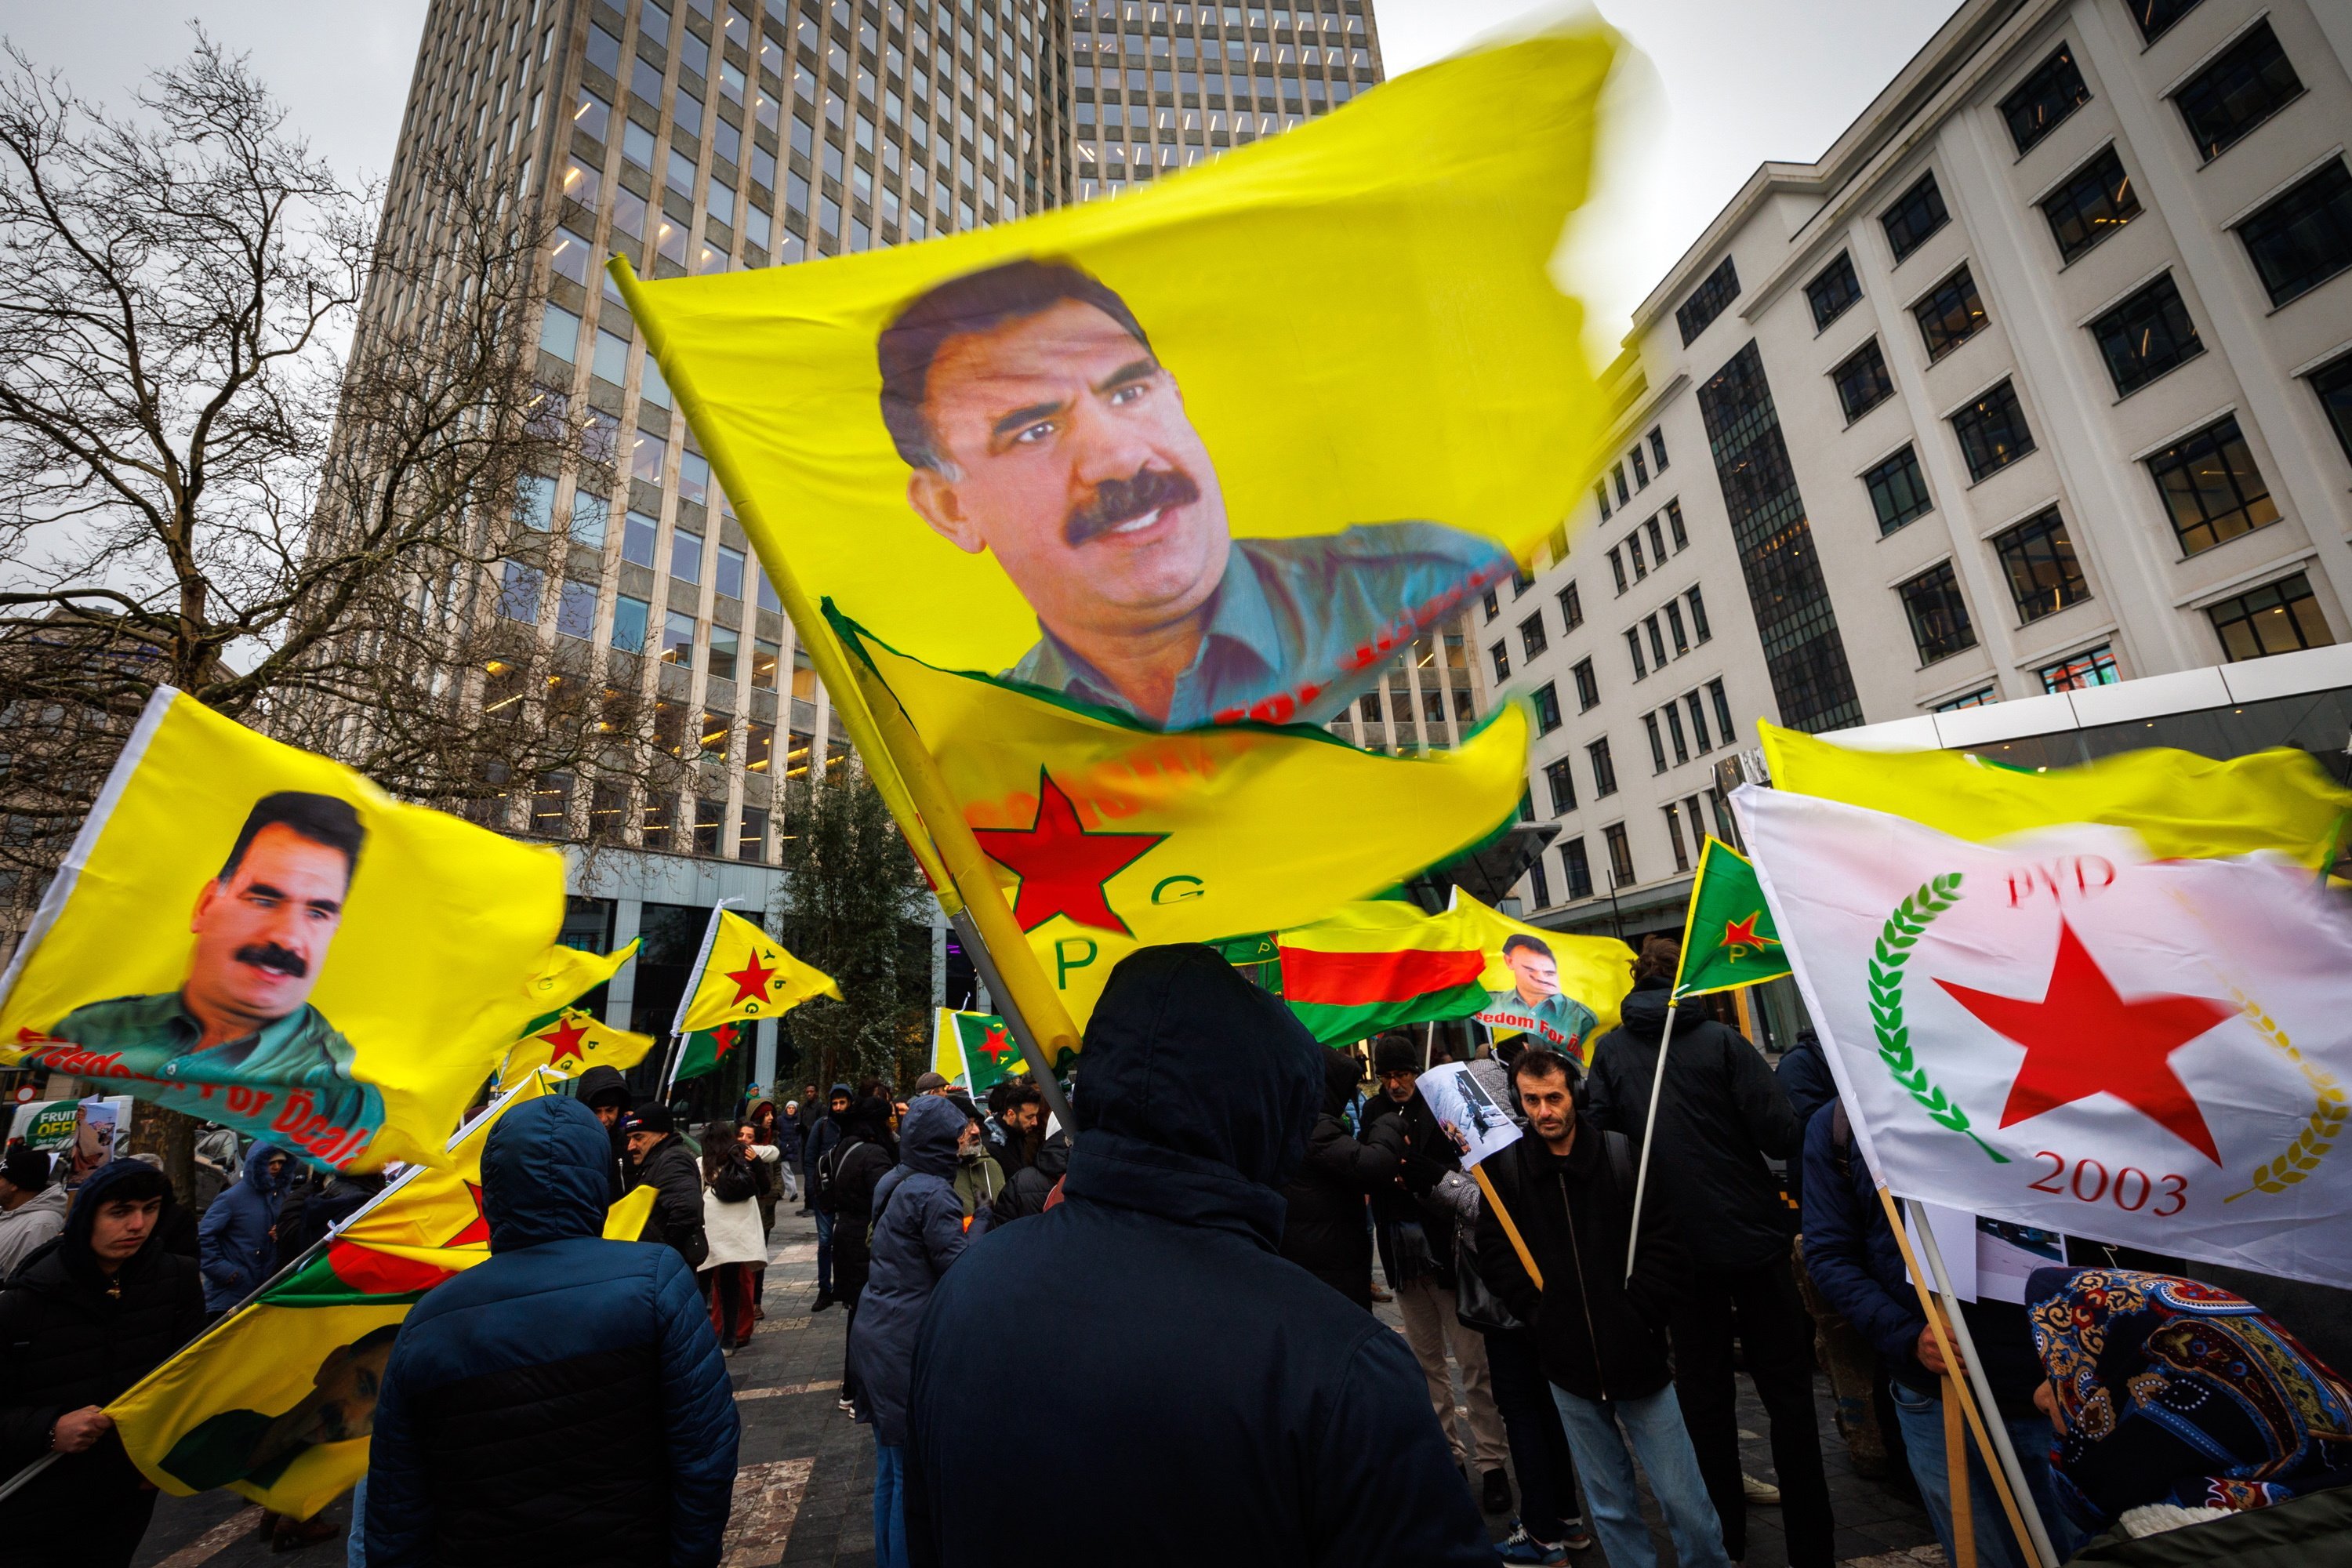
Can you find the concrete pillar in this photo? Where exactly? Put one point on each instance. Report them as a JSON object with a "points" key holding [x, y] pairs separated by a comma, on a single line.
{"points": [[620, 992]]}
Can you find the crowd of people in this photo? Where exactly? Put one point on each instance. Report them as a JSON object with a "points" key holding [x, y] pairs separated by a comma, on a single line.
{"points": [[1185, 1281]]}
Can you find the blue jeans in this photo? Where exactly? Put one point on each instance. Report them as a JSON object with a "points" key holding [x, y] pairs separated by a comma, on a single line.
{"points": [[889, 1506], [355, 1548], [1653, 1425], [1921, 1416], [823, 1253]]}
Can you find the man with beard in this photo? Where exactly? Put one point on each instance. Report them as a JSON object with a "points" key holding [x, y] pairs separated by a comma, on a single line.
{"points": [[1042, 426], [243, 1016], [1533, 1002]]}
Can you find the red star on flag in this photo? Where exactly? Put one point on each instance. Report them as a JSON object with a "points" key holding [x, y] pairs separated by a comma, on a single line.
{"points": [[723, 1039], [2082, 1039], [1063, 866], [751, 981], [1737, 934], [996, 1043], [564, 1040], [477, 1233]]}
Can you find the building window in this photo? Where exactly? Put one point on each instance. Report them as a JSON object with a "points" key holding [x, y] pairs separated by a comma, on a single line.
{"points": [[1982, 696], [518, 593], [1527, 805], [1547, 709], [2039, 558], [1833, 290], [685, 557], [1617, 569], [1698, 616], [1501, 654], [752, 837], [1675, 526], [2211, 488], [1658, 448], [1657, 643], [2095, 667], [1493, 606], [1542, 883], [1795, 622], [1657, 744], [726, 643], [1706, 303], [1531, 636], [1675, 837], [1993, 431], [639, 534], [1617, 473], [1917, 214], [2095, 201], [1605, 771], [765, 657], [2277, 617], [1563, 779], [678, 638], [1641, 470], [629, 621], [1621, 855], [2052, 92], [1572, 605], [2304, 237], [567, 257], [2249, 83], [1633, 647], [1634, 553], [2333, 383], [1899, 490], [1588, 686], [558, 333], [2147, 335], [575, 609], [1698, 722], [1574, 861], [1938, 615], [1722, 710], [2155, 16], [1950, 315], [1674, 627], [1368, 707], [1673, 717], [1862, 382], [1657, 541]]}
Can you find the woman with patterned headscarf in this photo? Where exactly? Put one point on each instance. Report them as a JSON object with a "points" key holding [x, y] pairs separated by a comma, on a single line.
{"points": [[2180, 1404]]}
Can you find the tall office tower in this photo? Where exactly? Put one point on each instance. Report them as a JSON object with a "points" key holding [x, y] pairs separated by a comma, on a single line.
{"points": [[701, 136]]}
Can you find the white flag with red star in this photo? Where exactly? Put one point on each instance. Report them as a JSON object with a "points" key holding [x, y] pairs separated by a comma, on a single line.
{"points": [[2060, 1032]]}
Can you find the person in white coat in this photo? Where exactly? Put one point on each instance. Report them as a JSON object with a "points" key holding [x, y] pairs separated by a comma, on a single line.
{"points": [[731, 1223]]}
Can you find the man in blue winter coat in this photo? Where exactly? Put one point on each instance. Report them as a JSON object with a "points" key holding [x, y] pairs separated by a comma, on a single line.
{"points": [[1213, 1402], [563, 1403], [236, 1242], [918, 1230]]}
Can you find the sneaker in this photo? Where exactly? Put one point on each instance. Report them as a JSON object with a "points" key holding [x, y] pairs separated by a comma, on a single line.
{"points": [[1578, 1539], [1381, 1292], [1521, 1546], [1763, 1494], [823, 1300], [848, 1406], [1495, 1492]]}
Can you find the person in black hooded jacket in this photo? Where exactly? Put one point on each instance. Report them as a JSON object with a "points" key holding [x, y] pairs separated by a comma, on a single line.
{"points": [[1721, 1116], [1213, 1402], [1324, 1231], [856, 1167], [89, 1313]]}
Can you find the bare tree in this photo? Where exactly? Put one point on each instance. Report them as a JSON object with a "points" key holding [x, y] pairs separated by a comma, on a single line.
{"points": [[218, 473]]}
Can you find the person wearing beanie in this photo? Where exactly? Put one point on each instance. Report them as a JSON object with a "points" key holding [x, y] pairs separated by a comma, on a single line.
{"points": [[89, 1313], [604, 1091], [34, 1205], [825, 1137], [660, 1159]]}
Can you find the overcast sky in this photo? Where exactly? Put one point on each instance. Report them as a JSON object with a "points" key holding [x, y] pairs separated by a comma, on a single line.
{"points": [[1732, 83]]}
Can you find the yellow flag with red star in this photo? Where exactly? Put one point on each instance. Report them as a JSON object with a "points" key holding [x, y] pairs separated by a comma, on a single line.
{"points": [[569, 1042], [748, 975]]}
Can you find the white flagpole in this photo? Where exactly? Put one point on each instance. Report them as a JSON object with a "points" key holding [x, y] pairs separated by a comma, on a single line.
{"points": [[1649, 1129], [1994, 1429], [686, 1000]]}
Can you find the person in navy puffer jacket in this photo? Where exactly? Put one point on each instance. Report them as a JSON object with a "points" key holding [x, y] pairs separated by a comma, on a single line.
{"points": [[563, 1403], [236, 1243], [918, 1231]]}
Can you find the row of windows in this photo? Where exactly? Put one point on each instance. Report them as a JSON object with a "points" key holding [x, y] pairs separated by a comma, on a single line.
{"points": [[522, 597], [1684, 637], [1671, 515], [1657, 453], [1666, 724]]}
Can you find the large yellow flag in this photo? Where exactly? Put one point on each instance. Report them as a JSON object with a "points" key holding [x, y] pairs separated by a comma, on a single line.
{"points": [[260, 937], [2185, 807], [569, 1043], [277, 1402], [749, 974], [1111, 837]]}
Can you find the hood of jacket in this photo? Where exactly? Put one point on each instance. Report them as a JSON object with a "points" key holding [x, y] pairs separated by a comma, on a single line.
{"points": [[1053, 1161], [256, 1169], [1643, 1014], [72, 1244], [545, 1173], [841, 1118], [927, 1138], [1341, 1078], [1200, 1091], [601, 1080]]}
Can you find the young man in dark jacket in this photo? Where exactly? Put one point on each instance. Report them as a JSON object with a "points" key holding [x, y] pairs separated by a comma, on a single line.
{"points": [[660, 1159], [826, 1132], [853, 1172], [604, 1091], [1300, 1426], [1324, 1229], [563, 1403], [1722, 1115], [1850, 1251], [90, 1312], [237, 1238], [1569, 1186]]}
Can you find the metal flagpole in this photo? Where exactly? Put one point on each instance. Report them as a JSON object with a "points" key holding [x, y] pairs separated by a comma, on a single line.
{"points": [[1974, 1365], [685, 999], [1024, 1034], [1649, 1128]]}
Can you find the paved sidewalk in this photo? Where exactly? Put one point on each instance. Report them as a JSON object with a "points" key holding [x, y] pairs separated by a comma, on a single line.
{"points": [[806, 1492]]}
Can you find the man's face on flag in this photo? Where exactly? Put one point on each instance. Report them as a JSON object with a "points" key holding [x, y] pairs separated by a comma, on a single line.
{"points": [[262, 930], [1066, 452], [1537, 975]]}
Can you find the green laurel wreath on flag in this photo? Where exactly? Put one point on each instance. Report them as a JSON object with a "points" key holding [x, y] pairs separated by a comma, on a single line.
{"points": [[1895, 939], [2319, 1131]]}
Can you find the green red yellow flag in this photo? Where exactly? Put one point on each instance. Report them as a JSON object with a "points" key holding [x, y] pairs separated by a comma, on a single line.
{"points": [[705, 1049], [278, 1400], [1728, 938], [569, 1042], [1382, 963], [974, 1050], [748, 976]]}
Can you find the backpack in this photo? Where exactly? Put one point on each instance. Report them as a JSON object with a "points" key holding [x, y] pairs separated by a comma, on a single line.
{"points": [[734, 1183]]}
